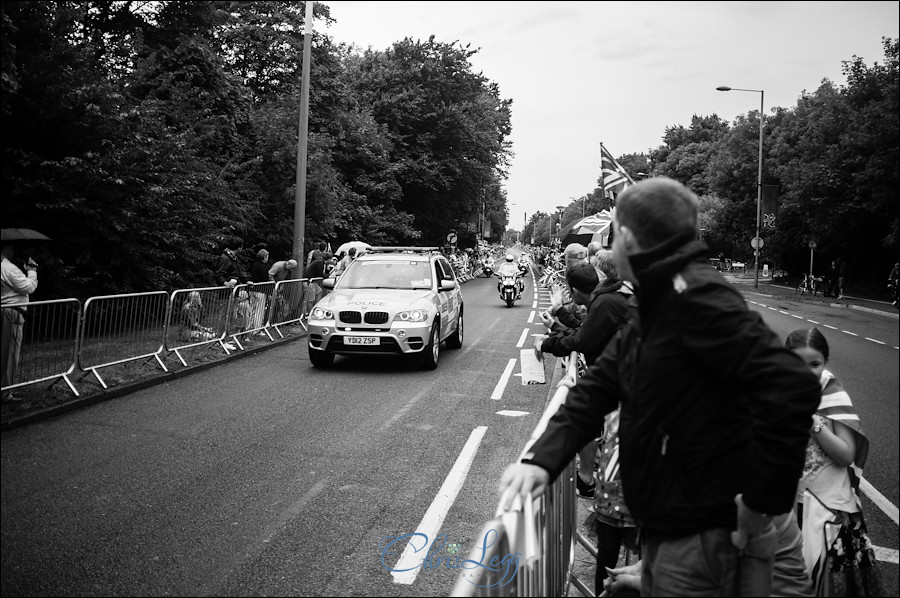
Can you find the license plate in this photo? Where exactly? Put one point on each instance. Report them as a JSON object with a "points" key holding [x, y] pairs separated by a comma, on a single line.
{"points": [[362, 340]]}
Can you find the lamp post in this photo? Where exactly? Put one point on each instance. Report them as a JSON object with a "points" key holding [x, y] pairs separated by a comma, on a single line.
{"points": [[762, 121]]}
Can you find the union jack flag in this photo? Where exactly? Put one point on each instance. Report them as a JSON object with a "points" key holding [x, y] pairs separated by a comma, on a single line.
{"points": [[613, 177]]}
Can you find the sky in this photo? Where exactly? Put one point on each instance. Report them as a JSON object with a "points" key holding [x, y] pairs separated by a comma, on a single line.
{"points": [[620, 73]]}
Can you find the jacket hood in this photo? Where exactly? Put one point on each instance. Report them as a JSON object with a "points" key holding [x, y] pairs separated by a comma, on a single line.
{"points": [[654, 268]]}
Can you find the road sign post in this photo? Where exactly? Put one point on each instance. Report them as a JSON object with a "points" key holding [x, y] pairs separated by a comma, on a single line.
{"points": [[812, 247]]}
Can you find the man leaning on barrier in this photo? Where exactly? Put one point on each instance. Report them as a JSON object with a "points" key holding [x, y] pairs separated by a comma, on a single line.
{"points": [[715, 413]]}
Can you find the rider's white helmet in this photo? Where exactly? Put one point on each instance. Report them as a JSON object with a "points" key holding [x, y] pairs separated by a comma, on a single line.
{"points": [[509, 258]]}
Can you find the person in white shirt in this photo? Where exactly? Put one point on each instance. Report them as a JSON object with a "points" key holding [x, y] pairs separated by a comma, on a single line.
{"points": [[16, 287]]}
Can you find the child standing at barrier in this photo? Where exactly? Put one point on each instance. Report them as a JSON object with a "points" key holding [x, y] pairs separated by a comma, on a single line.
{"points": [[614, 524], [836, 544], [242, 312]]}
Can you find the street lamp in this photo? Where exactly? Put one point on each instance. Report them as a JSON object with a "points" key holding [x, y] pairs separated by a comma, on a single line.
{"points": [[762, 121]]}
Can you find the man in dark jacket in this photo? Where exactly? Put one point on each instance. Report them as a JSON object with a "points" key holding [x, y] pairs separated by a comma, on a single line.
{"points": [[228, 268], [607, 311], [715, 413]]}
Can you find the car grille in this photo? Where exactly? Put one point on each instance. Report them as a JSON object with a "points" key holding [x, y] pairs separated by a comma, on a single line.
{"points": [[376, 317], [351, 317]]}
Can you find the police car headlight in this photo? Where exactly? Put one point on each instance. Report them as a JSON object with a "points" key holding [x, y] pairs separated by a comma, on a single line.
{"points": [[412, 315], [319, 313]]}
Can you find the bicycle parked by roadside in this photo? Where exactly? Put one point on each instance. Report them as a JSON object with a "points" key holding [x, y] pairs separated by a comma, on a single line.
{"points": [[809, 284]]}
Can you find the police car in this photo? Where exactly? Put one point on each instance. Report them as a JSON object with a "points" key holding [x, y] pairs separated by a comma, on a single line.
{"points": [[390, 300]]}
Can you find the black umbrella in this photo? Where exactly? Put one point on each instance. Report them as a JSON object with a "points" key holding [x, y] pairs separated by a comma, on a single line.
{"points": [[22, 234]]}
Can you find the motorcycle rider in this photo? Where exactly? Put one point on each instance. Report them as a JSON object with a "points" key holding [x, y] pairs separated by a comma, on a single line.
{"points": [[509, 268], [487, 264]]}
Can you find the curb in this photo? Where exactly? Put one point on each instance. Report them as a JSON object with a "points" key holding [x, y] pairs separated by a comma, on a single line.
{"points": [[79, 403], [895, 316]]}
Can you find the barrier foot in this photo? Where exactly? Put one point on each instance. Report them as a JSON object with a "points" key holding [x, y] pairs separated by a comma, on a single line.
{"points": [[161, 364], [586, 542], [180, 358], [579, 585], [237, 342], [71, 386], [102, 383]]}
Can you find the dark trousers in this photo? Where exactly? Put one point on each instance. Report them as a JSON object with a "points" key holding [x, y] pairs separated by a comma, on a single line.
{"points": [[610, 539]]}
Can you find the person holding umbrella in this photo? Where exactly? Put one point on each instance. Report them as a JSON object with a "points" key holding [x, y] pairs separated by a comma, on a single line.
{"points": [[16, 287]]}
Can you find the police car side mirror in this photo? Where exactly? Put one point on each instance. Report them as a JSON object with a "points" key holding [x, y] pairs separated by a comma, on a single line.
{"points": [[448, 285], [328, 283]]}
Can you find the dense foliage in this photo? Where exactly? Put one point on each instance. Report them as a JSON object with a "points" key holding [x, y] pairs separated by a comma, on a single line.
{"points": [[140, 136]]}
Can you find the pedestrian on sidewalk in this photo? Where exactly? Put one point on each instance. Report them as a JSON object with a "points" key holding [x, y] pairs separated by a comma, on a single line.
{"points": [[15, 288], [714, 411], [842, 273]]}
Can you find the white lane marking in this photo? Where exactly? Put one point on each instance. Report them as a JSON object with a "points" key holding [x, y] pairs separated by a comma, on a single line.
{"points": [[876, 341], [522, 338], [509, 413], [784, 312], [534, 305], [407, 568], [531, 317], [811, 321], [504, 380], [889, 508], [832, 327], [888, 555], [762, 304], [796, 316], [850, 333]]}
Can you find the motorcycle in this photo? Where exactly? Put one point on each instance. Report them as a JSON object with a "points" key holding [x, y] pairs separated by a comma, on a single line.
{"points": [[523, 267], [509, 290], [488, 268]]}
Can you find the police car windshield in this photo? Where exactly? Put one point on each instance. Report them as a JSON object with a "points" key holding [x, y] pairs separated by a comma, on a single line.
{"points": [[393, 274]]}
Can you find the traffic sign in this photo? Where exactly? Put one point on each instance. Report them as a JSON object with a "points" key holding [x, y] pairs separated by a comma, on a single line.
{"points": [[812, 244], [757, 243], [451, 238]]}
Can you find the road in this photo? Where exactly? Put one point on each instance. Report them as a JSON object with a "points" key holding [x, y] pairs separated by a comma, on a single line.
{"points": [[269, 477]]}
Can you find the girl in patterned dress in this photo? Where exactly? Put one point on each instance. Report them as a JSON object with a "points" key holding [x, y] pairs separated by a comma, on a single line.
{"points": [[836, 546]]}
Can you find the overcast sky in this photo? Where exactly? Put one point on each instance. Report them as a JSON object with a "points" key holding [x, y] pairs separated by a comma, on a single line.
{"points": [[581, 73]]}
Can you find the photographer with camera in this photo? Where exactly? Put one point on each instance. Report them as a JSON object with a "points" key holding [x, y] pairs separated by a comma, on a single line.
{"points": [[16, 287]]}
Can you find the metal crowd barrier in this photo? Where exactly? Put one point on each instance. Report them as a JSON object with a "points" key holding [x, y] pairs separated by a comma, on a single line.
{"points": [[40, 342], [541, 531], [197, 317], [251, 306], [121, 328], [58, 337]]}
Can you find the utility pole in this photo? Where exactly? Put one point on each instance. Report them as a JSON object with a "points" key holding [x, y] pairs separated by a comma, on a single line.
{"points": [[302, 138]]}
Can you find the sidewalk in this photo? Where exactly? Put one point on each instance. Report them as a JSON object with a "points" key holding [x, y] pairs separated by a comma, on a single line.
{"points": [[769, 288]]}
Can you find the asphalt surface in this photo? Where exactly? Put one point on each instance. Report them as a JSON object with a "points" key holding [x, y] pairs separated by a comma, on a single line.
{"points": [[264, 476]]}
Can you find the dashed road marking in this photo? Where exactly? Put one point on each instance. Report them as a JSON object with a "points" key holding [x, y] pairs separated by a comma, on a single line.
{"points": [[522, 338], [406, 569], [531, 318], [504, 380], [876, 341], [850, 333]]}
